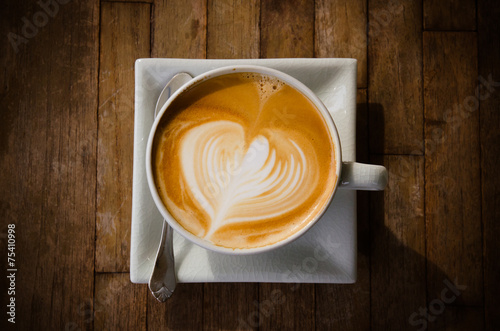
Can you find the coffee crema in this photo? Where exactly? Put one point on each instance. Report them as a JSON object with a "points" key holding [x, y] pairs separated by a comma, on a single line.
{"points": [[243, 160]]}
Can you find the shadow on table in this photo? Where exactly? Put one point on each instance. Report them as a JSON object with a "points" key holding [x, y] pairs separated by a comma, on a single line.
{"points": [[407, 290]]}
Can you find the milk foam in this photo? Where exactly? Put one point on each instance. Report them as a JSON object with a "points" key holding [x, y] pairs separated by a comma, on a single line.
{"points": [[229, 178], [267, 85]]}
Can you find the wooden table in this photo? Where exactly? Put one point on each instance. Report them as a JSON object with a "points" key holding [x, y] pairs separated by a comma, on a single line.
{"points": [[428, 109]]}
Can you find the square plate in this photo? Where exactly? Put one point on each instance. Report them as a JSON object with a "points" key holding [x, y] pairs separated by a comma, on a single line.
{"points": [[325, 254]]}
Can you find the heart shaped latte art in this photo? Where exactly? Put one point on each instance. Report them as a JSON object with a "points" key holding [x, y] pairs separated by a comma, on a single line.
{"points": [[234, 183]]}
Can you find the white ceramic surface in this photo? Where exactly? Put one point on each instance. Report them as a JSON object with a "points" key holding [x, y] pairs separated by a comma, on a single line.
{"points": [[325, 254]]}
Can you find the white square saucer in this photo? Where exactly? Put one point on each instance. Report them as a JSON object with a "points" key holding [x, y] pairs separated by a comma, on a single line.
{"points": [[325, 254]]}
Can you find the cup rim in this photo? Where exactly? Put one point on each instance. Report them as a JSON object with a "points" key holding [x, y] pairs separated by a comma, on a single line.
{"points": [[295, 83]]}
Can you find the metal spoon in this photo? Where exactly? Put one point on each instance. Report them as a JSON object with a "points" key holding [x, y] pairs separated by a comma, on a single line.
{"points": [[163, 281]]}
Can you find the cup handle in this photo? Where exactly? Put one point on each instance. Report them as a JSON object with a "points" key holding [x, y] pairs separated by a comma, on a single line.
{"points": [[359, 176]]}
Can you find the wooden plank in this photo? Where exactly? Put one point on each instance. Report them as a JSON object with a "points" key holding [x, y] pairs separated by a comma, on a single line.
{"points": [[287, 29], [48, 160], [395, 77], [182, 311], [340, 31], [124, 38], [119, 304], [233, 29], [232, 32], [452, 165], [489, 70], [230, 306], [285, 307], [354, 312], [179, 29], [450, 15], [398, 282], [449, 318]]}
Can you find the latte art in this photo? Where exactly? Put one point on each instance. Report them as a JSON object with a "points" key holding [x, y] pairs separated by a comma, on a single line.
{"points": [[243, 161], [233, 185]]}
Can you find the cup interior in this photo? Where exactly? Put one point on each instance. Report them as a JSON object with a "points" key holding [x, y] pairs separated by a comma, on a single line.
{"points": [[219, 72]]}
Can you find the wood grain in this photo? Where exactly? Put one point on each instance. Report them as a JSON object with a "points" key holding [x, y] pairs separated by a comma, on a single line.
{"points": [[398, 282], [233, 29], [456, 318], [124, 38], [179, 29], [452, 165], [183, 311], [354, 312], [450, 15], [489, 70], [287, 29], [395, 77], [286, 306], [340, 31], [119, 304], [48, 108], [230, 306]]}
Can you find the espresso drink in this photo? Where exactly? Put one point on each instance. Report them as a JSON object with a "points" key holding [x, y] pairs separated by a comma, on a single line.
{"points": [[243, 160]]}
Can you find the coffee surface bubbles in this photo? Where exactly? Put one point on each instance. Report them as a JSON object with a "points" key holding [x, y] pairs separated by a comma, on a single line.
{"points": [[243, 160]]}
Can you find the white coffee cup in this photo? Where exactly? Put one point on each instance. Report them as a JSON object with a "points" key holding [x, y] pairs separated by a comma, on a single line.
{"points": [[351, 175]]}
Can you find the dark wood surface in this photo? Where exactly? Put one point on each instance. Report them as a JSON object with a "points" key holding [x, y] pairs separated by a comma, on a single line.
{"points": [[428, 109]]}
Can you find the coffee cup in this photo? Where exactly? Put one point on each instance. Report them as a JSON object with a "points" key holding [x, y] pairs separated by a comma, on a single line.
{"points": [[245, 159]]}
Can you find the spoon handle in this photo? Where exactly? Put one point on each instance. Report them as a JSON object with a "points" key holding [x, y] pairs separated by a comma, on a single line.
{"points": [[163, 280]]}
